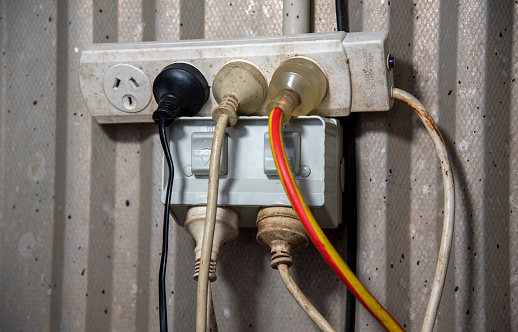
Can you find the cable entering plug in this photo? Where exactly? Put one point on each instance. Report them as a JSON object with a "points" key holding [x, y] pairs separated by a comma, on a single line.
{"points": [[297, 87], [226, 229], [280, 229], [180, 89], [239, 87]]}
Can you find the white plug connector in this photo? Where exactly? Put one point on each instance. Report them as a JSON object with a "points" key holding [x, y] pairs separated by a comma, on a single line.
{"points": [[239, 87], [227, 229], [297, 87], [280, 229]]}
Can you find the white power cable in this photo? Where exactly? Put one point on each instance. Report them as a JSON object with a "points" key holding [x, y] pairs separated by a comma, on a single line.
{"points": [[449, 206], [210, 223], [302, 300]]}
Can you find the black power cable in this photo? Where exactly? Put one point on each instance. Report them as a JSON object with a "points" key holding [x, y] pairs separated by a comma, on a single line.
{"points": [[165, 235], [342, 20], [350, 200], [180, 89]]}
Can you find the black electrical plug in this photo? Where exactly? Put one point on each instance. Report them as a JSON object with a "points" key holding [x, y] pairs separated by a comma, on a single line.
{"points": [[180, 89]]}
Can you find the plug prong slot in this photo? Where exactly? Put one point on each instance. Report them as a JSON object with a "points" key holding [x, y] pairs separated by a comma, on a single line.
{"points": [[116, 84], [135, 84]]}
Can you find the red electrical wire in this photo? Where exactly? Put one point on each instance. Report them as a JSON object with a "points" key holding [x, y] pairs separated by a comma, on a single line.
{"points": [[316, 234]]}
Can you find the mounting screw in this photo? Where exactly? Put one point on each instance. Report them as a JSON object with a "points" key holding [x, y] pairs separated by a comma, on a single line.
{"points": [[390, 61], [305, 171], [187, 171]]}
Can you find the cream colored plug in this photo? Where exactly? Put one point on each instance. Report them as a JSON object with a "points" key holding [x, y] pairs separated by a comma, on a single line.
{"points": [[226, 229], [297, 87], [239, 88], [280, 229]]}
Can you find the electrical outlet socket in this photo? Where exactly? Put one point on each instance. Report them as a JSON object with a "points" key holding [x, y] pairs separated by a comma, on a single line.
{"points": [[359, 79], [127, 88]]}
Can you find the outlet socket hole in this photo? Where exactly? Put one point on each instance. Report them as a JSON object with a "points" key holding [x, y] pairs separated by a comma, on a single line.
{"points": [[135, 84], [129, 102], [116, 84]]}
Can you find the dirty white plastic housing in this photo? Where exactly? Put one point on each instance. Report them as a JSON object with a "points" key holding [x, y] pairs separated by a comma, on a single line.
{"points": [[355, 63], [246, 187]]}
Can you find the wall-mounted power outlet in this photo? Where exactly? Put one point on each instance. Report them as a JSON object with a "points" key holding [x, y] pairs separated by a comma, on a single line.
{"points": [[127, 88], [115, 78]]}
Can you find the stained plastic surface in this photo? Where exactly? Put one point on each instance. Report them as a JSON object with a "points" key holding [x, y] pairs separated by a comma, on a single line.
{"points": [[302, 76]]}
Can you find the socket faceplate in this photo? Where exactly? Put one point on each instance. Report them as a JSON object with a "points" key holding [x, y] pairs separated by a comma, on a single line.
{"points": [[127, 88]]}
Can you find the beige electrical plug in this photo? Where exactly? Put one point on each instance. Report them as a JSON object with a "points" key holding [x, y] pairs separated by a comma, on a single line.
{"points": [[239, 88], [297, 87], [227, 229], [280, 229]]}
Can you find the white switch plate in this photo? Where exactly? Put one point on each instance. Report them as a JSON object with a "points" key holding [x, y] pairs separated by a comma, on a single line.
{"points": [[245, 187], [355, 64]]}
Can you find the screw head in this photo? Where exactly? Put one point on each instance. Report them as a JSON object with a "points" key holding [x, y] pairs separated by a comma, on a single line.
{"points": [[305, 171], [390, 61], [187, 171]]}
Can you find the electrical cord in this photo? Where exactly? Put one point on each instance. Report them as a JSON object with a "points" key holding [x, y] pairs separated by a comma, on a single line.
{"points": [[349, 208], [316, 234], [342, 23], [302, 300], [449, 206], [210, 222], [349, 199], [165, 234], [179, 89]]}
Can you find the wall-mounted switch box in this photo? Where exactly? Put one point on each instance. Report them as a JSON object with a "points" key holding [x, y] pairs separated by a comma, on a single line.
{"points": [[315, 144]]}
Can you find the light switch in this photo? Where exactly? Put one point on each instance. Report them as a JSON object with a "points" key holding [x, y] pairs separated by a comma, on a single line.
{"points": [[292, 147], [201, 144]]}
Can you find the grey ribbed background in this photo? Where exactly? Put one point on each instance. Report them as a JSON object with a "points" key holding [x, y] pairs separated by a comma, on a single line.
{"points": [[80, 211]]}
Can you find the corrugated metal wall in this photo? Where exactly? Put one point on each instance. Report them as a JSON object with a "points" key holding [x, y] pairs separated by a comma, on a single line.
{"points": [[80, 211]]}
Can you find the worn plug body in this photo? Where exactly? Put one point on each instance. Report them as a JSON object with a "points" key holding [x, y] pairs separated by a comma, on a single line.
{"points": [[280, 229], [239, 88], [227, 229], [297, 87], [179, 89]]}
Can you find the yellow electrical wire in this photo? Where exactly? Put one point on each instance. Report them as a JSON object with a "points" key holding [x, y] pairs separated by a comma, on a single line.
{"points": [[316, 234]]}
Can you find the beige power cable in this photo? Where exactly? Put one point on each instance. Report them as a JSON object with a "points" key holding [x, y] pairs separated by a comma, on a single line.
{"points": [[239, 85], [210, 224], [280, 229], [302, 300], [449, 206]]}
